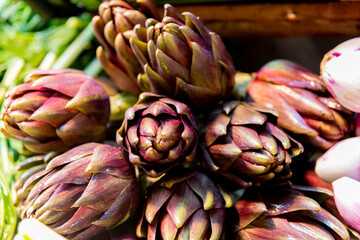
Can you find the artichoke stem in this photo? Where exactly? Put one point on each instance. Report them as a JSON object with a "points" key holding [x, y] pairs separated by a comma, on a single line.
{"points": [[119, 103]]}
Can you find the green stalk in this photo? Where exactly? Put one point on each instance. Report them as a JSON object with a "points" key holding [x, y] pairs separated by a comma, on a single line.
{"points": [[10, 76], [8, 217], [93, 68], [48, 61], [75, 48]]}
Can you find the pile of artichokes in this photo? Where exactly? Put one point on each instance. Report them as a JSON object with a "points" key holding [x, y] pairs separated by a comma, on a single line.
{"points": [[190, 160]]}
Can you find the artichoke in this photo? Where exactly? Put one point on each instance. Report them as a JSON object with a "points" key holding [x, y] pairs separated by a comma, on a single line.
{"points": [[83, 192], [183, 59], [56, 110], [159, 133], [27, 168], [244, 144], [305, 107], [180, 207], [285, 212], [114, 28]]}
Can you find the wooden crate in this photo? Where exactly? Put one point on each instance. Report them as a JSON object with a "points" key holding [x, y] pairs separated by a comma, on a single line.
{"points": [[233, 20]]}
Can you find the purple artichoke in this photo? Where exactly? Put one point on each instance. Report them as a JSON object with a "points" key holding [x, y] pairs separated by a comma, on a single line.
{"points": [[181, 207], [285, 212], [183, 59], [244, 144], [56, 110], [83, 192], [159, 133], [305, 107], [114, 28]]}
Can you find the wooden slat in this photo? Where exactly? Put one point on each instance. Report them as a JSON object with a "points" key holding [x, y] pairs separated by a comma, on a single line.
{"points": [[280, 19]]}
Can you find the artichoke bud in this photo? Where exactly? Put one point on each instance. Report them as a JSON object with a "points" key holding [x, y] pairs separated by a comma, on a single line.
{"points": [[306, 108], [244, 144], [159, 133], [183, 59], [284, 212], [83, 192], [179, 206], [114, 27], [56, 110]]}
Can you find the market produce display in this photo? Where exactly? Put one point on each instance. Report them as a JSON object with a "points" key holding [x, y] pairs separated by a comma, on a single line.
{"points": [[143, 134]]}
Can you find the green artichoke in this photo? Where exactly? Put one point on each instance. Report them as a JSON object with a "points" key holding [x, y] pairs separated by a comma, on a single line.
{"points": [[285, 212], [184, 206], [244, 144], [56, 110], [83, 192], [305, 107], [159, 133], [114, 28], [183, 59]]}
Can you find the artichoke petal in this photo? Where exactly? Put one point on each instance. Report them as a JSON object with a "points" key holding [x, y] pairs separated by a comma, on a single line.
{"points": [[284, 72], [53, 111], [62, 198], [268, 142], [122, 208], [72, 155], [198, 225], [122, 80], [211, 196], [201, 75], [38, 129], [217, 219], [112, 160], [82, 218], [245, 115], [225, 154], [30, 101], [216, 127], [158, 108], [289, 118], [278, 134], [180, 208], [170, 69], [91, 98], [155, 201], [167, 228], [69, 85], [248, 211], [289, 202], [100, 192], [110, 33], [90, 130], [329, 220], [245, 138]]}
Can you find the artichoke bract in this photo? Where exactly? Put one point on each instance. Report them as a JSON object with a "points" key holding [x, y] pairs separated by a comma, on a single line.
{"points": [[181, 207], [183, 59], [56, 110], [305, 107], [83, 192], [113, 28], [243, 143], [159, 133], [285, 212]]}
